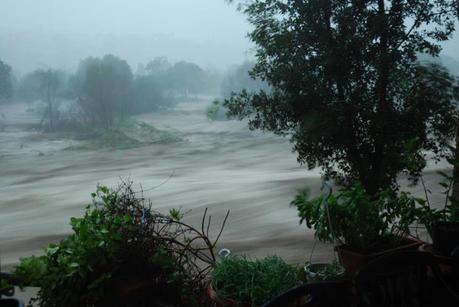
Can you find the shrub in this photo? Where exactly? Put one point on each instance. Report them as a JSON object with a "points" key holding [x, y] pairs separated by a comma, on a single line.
{"points": [[363, 222], [122, 253]]}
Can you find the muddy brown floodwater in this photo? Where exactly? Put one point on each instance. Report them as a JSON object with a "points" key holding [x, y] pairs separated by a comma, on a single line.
{"points": [[219, 165]]}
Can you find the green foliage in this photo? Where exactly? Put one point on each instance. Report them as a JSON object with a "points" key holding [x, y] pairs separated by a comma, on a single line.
{"points": [[104, 86], [345, 83], [83, 262], [119, 243], [363, 222], [175, 214], [147, 134], [31, 270], [6, 81], [129, 134], [5, 287], [252, 282]]}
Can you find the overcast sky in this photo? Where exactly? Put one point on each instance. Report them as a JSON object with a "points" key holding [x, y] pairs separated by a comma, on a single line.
{"points": [[58, 33]]}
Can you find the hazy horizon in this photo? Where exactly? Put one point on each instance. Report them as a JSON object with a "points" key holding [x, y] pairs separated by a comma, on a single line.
{"points": [[56, 33]]}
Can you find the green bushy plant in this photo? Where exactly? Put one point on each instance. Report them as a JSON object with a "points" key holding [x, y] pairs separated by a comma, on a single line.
{"points": [[253, 282], [83, 262], [362, 222], [121, 253]]}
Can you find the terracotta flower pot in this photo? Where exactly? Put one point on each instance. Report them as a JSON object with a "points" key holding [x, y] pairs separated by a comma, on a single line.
{"points": [[353, 261]]}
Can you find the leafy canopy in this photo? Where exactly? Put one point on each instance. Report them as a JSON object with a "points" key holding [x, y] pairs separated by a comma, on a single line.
{"points": [[362, 222], [104, 86], [346, 86]]}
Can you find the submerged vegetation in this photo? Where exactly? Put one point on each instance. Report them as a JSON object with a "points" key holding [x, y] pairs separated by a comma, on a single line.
{"points": [[129, 134]]}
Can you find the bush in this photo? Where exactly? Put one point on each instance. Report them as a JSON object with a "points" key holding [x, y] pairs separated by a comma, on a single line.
{"points": [[122, 253], [253, 282], [363, 222]]}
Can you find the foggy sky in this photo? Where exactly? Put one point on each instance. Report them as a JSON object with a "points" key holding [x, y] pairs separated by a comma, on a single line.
{"points": [[58, 33]]}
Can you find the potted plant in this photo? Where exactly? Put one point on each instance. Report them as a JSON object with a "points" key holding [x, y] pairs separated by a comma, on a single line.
{"points": [[122, 253], [442, 223], [239, 281], [361, 226]]}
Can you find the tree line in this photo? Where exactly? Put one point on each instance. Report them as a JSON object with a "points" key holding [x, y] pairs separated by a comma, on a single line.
{"points": [[106, 90]]}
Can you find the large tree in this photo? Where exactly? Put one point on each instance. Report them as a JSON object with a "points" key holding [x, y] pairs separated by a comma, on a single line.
{"points": [[346, 85], [50, 83], [104, 86], [47, 85], [6, 81]]}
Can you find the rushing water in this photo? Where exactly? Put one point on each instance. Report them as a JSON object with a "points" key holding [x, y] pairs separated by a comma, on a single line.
{"points": [[219, 165]]}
